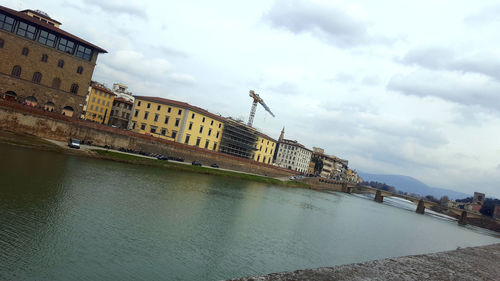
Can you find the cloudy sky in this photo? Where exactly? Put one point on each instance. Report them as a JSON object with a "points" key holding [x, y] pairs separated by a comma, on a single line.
{"points": [[395, 87]]}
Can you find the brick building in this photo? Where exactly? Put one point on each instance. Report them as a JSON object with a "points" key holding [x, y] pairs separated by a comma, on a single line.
{"points": [[43, 65]]}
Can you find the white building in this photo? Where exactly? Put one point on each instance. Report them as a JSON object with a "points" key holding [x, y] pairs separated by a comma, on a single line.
{"points": [[292, 155], [120, 91]]}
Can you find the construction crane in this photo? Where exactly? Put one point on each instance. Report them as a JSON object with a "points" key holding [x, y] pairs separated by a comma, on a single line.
{"points": [[256, 99]]}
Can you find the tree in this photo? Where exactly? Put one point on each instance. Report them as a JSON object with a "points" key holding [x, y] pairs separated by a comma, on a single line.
{"points": [[318, 165], [489, 206], [444, 200]]}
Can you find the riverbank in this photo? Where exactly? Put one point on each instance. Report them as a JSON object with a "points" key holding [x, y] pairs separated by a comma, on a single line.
{"points": [[34, 142], [475, 263]]}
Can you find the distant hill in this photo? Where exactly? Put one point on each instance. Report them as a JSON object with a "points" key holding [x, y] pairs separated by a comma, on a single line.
{"points": [[412, 185]]}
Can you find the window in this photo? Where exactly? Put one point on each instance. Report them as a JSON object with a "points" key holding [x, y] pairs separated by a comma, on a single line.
{"points": [[6, 22], [91, 107], [209, 132], [16, 71], [215, 146], [198, 140], [74, 89], [220, 125], [37, 77], [84, 52], [143, 126], [1, 43], [186, 141], [26, 30], [66, 46], [56, 83], [146, 114], [174, 134], [60, 63], [163, 131], [159, 107], [266, 149], [203, 120], [156, 117], [45, 57], [153, 129], [98, 101], [179, 112], [192, 116], [127, 116], [25, 51], [201, 129], [133, 125], [169, 109], [217, 134], [79, 70], [207, 142], [149, 105], [47, 38], [101, 109], [212, 123], [166, 119], [258, 158], [190, 125], [96, 108], [136, 113], [139, 103], [177, 122]]}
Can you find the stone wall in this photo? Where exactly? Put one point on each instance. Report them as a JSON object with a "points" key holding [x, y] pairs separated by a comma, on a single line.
{"points": [[20, 118]]}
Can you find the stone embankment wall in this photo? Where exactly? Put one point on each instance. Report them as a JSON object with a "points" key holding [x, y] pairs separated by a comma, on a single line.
{"points": [[477, 263], [20, 118]]}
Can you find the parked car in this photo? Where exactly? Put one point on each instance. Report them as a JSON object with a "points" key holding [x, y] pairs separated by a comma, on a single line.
{"points": [[177, 159], [74, 143], [214, 165], [162, 157], [196, 163]]}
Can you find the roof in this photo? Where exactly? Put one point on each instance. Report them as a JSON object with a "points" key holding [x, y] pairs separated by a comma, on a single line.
{"points": [[47, 26], [266, 136], [123, 100], [295, 143], [100, 87], [183, 105], [40, 15]]}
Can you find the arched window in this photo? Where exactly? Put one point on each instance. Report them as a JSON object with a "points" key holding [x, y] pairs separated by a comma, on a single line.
{"points": [[16, 71], [74, 89], [37, 77], [45, 57], [25, 51], [60, 63], [1, 43], [56, 83], [79, 70]]}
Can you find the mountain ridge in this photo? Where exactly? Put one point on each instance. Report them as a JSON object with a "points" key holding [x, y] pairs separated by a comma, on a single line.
{"points": [[412, 185]]}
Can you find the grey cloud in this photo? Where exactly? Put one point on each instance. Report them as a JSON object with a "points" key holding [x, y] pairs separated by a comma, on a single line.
{"points": [[119, 7], [487, 15], [461, 89], [172, 52], [329, 23], [446, 59]]}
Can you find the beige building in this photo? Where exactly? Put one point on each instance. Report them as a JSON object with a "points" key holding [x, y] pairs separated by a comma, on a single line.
{"points": [[264, 148], [43, 65], [98, 103], [176, 121]]}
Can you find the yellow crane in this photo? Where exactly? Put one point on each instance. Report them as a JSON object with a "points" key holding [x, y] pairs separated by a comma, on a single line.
{"points": [[257, 99]]}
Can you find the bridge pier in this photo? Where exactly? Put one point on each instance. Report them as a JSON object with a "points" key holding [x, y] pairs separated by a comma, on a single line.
{"points": [[378, 197], [463, 218], [420, 207], [349, 189]]}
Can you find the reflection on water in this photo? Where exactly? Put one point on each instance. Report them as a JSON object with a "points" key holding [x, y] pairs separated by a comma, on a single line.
{"points": [[69, 218]]}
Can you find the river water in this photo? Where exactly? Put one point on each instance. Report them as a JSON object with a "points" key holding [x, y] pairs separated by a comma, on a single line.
{"points": [[71, 218]]}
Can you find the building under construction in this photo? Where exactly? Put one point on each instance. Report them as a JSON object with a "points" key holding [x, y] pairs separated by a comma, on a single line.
{"points": [[238, 139]]}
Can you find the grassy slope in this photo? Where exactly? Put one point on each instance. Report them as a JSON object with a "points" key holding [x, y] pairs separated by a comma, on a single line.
{"points": [[121, 157]]}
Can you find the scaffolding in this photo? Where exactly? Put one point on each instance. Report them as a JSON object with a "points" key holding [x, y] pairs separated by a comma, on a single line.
{"points": [[238, 139]]}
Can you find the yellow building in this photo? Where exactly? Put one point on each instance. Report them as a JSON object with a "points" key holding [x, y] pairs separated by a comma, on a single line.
{"points": [[176, 121], [265, 149], [98, 104]]}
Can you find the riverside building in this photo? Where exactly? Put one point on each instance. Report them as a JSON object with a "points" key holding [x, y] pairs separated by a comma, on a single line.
{"points": [[43, 65], [98, 103], [122, 106], [292, 155], [177, 121], [264, 148]]}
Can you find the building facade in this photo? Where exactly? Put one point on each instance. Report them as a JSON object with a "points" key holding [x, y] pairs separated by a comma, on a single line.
{"points": [[264, 149], [293, 155], [98, 103], [238, 139], [120, 113], [176, 121], [43, 65]]}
